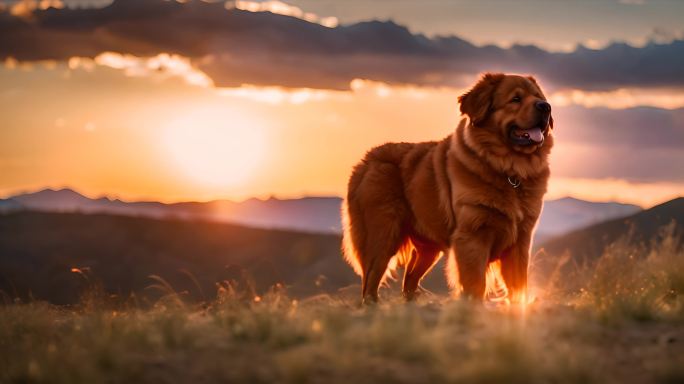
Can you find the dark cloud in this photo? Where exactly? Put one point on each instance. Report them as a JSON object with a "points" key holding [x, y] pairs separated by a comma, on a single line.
{"points": [[235, 47], [642, 127], [633, 164], [640, 144]]}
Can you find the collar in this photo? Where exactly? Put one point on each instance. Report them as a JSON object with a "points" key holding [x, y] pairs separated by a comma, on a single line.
{"points": [[514, 181]]}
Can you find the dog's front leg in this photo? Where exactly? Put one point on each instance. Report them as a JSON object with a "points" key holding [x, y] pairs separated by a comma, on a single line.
{"points": [[514, 266], [472, 251]]}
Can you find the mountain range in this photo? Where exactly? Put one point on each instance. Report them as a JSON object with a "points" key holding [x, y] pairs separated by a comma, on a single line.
{"points": [[308, 214]]}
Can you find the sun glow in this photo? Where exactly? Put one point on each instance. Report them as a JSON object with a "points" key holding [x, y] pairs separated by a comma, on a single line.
{"points": [[216, 151]]}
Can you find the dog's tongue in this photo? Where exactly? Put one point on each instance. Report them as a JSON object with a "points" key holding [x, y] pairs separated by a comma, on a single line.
{"points": [[535, 134]]}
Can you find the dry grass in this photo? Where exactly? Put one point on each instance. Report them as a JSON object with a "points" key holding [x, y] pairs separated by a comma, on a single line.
{"points": [[627, 325], [642, 282]]}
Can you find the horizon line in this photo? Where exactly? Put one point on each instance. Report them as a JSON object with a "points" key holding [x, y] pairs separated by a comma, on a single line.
{"points": [[273, 196]]}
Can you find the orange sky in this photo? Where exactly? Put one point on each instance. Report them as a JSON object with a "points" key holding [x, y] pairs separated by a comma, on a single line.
{"points": [[111, 127]]}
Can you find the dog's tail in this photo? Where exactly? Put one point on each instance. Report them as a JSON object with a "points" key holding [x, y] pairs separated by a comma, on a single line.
{"points": [[353, 258], [348, 249]]}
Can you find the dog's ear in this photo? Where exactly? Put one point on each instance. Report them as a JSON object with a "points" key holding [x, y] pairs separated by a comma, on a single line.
{"points": [[536, 84], [477, 102], [532, 79]]}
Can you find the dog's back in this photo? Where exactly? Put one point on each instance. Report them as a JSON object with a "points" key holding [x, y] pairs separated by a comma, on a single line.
{"points": [[377, 215]]}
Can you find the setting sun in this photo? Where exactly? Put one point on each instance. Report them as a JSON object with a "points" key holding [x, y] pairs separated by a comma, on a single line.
{"points": [[214, 150]]}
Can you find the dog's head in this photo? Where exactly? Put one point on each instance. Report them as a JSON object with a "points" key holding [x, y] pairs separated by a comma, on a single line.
{"points": [[511, 108]]}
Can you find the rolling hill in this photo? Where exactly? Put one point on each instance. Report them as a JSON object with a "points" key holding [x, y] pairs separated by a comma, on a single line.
{"points": [[567, 258], [39, 249], [568, 214], [588, 243]]}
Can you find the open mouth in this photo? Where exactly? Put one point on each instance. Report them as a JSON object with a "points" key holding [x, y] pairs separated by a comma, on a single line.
{"points": [[529, 136]]}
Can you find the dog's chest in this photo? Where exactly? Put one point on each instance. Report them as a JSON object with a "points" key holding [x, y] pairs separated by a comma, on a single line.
{"points": [[519, 213], [524, 209]]}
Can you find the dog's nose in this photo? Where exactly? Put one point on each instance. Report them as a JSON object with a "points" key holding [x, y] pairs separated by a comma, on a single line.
{"points": [[543, 106]]}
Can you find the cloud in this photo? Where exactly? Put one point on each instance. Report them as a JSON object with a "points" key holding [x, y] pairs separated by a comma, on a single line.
{"points": [[636, 144], [278, 95], [281, 8], [25, 8], [633, 2], [666, 98], [162, 64], [634, 128], [235, 47]]}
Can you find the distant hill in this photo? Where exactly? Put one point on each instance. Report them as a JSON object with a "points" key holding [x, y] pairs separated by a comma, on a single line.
{"points": [[39, 249], [570, 253], [9, 205], [588, 243], [567, 214], [309, 214]]}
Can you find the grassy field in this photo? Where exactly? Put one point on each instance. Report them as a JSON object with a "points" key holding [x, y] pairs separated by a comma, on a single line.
{"points": [[625, 325]]}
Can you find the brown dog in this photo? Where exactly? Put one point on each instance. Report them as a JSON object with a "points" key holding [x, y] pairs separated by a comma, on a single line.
{"points": [[477, 193]]}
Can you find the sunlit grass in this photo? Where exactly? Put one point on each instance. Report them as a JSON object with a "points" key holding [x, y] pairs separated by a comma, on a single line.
{"points": [[281, 340], [642, 282], [597, 335]]}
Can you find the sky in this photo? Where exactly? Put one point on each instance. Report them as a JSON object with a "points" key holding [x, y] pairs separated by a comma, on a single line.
{"points": [[198, 100]]}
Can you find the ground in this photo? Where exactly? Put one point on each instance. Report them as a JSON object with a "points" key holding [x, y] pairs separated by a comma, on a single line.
{"points": [[624, 325], [326, 339]]}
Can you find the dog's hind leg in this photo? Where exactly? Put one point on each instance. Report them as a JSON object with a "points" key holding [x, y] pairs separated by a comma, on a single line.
{"points": [[384, 213], [383, 241], [373, 277], [422, 260]]}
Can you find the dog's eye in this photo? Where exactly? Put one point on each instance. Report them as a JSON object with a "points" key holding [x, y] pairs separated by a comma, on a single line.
{"points": [[515, 99]]}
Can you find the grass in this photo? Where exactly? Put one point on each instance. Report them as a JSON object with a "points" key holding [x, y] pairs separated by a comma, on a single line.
{"points": [[625, 325], [642, 282]]}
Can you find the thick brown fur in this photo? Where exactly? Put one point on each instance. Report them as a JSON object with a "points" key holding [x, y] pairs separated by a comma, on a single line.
{"points": [[409, 203]]}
